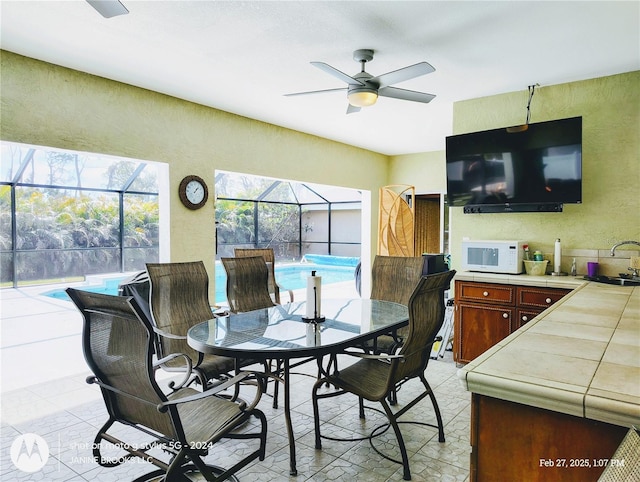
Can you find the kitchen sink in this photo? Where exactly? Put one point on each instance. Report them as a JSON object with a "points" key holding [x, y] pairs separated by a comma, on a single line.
{"points": [[610, 280]]}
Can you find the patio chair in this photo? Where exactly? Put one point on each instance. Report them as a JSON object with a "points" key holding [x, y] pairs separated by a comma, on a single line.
{"points": [[118, 344], [393, 278], [270, 259], [374, 377], [624, 465], [179, 299], [247, 283]]}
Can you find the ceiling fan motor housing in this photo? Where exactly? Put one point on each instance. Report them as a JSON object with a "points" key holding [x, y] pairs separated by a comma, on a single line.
{"points": [[363, 55]]}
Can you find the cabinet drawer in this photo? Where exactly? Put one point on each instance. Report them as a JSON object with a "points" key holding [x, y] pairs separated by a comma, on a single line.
{"points": [[485, 292], [539, 297], [525, 316]]}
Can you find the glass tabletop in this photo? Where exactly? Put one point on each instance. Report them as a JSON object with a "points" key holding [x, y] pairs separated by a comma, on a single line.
{"points": [[280, 331]]}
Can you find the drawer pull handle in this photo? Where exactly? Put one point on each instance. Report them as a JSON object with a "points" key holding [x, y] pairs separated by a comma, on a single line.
{"points": [[486, 293], [548, 300], [505, 315], [525, 318]]}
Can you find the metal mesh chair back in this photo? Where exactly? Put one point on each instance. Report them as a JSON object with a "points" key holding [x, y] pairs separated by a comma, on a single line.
{"points": [[626, 467], [270, 259], [247, 283], [426, 315], [394, 278], [179, 300], [117, 341]]}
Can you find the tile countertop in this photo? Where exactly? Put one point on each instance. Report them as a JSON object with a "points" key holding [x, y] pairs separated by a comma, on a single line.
{"points": [[581, 356], [566, 282]]}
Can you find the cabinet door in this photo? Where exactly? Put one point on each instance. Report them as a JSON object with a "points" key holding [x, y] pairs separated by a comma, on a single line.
{"points": [[479, 327]]}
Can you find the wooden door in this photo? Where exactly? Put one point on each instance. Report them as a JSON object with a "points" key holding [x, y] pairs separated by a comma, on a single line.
{"points": [[427, 225]]}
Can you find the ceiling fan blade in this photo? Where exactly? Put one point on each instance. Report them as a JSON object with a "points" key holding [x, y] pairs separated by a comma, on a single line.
{"points": [[108, 8], [405, 94], [316, 92], [352, 109], [403, 74], [336, 73]]}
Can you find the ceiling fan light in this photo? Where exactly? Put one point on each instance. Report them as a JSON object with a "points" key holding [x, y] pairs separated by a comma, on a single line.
{"points": [[362, 97]]}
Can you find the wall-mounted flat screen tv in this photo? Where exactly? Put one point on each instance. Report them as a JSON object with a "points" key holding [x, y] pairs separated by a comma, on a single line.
{"points": [[537, 168]]}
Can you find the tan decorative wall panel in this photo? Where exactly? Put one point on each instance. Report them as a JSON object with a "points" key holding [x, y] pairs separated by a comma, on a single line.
{"points": [[396, 221]]}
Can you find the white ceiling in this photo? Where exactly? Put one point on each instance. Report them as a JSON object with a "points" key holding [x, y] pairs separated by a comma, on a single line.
{"points": [[242, 57]]}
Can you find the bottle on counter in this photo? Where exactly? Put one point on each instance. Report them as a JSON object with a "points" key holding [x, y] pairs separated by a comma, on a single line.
{"points": [[537, 256], [525, 248]]}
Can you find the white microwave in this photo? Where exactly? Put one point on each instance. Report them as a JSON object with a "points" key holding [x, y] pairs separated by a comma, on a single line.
{"points": [[493, 256]]}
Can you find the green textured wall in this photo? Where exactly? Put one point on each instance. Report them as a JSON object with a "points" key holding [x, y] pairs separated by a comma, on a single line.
{"points": [[47, 105], [610, 211], [426, 171]]}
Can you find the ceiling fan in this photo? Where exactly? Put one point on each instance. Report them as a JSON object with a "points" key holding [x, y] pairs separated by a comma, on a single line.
{"points": [[363, 88], [108, 8]]}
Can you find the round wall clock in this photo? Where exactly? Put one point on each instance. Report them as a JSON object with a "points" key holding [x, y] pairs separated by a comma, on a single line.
{"points": [[193, 192]]}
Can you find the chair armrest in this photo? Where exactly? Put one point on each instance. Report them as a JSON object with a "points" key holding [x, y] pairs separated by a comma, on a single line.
{"points": [[166, 334], [333, 359], [219, 311], [93, 379], [163, 407], [173, 356], [370, 356], [188, 369], [287, 290]]}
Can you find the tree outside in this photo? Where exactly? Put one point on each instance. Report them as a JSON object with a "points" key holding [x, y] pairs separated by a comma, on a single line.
{"points": [[74, 214]]}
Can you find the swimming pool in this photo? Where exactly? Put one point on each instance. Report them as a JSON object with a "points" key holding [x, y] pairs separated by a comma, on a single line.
{"points": [[109, 286], [292, 276], [289, 276]]}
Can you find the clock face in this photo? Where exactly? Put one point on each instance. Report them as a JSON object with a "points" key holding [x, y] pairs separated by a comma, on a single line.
{"points": [[195, 192]]}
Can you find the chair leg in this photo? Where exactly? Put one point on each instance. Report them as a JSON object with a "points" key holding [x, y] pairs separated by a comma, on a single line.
{"points": [[436, 408], [263, 434], [276, 384], [176, 464], [316, 413], [403, 450], [202, 467], [393, 397], [361, 407], [96, 444]]}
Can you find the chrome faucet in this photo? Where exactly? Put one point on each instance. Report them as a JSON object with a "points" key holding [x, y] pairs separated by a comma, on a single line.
{"points": [[613, 249]]}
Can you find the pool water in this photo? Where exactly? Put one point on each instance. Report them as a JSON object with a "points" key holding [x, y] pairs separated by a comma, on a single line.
{"points": [[292, 276], [108, 287], [288, 276]]}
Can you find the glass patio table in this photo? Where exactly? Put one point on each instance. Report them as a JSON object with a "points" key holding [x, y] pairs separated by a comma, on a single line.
{"points": [[279, 333]]}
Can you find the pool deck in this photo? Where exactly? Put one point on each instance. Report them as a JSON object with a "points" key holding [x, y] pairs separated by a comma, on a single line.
{"points": [[40, 336]]}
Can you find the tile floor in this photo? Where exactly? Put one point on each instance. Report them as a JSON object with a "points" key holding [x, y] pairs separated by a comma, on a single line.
{"points": [[43, 392]]}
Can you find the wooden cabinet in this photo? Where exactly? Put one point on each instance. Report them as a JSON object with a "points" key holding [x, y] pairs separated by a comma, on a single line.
{"points": [[485, 313], [517, 442]]}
